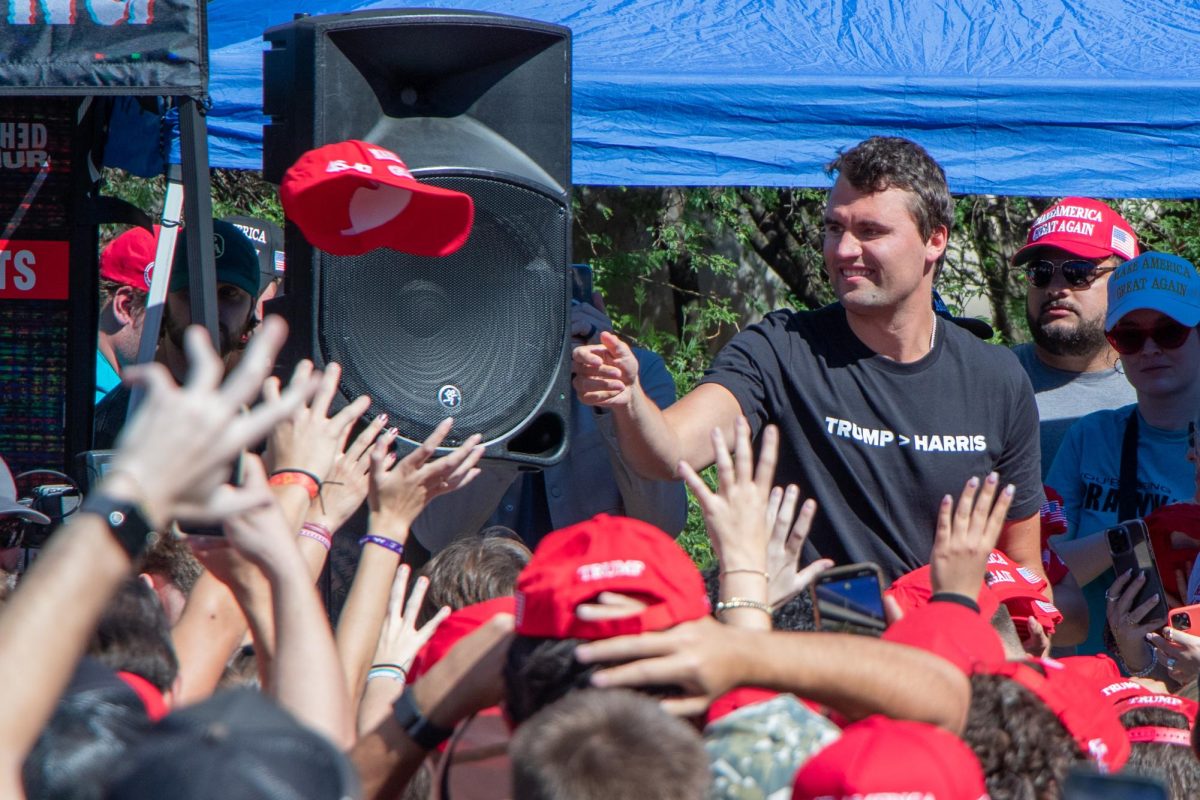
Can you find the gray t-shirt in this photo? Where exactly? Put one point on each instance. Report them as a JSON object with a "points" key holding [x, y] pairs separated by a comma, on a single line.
{"points": [[1063, 397]]}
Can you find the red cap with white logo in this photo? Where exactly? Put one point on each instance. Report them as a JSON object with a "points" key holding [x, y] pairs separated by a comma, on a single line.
{"points": [[1082, 227], [607, 554], [352, 197]]}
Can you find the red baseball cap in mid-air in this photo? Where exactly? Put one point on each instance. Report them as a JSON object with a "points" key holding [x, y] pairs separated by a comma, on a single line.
{"points": [[352, 197]]}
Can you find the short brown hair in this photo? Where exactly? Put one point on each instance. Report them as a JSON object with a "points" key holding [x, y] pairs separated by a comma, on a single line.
{"points": [[890, 162], [607, 744], [109, 289], [470, 571]]}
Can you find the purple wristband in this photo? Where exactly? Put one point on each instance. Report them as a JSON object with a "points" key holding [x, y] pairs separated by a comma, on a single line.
{"points": [[384, 542]]}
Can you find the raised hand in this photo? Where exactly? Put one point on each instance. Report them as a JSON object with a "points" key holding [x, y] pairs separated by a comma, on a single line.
{"points": [[345, 487], [311, 440], [181, 443], [786, 577], [400, 490], [736, 514], [966, 534]]}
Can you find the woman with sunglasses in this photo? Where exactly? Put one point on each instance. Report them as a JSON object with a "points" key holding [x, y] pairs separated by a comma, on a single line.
{"points": [[1121, 464]]}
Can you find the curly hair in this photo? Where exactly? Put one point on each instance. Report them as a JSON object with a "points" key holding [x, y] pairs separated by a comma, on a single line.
{"points": [[1024, 750], [1175, 766], [794, 615], [890, 162]]}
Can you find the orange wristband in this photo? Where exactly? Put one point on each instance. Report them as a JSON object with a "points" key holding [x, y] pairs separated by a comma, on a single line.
{"points": [[296, 477]]}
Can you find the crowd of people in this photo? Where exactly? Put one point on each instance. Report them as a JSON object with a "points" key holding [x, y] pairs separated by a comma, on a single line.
{"points": [[549, 640]]}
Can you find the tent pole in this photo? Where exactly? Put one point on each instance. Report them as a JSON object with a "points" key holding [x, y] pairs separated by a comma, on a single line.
{"points": [[197, 215]]}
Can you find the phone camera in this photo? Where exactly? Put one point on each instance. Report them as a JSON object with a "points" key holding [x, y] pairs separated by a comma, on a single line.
{"points": [[1118, 540], [1181, 621]]}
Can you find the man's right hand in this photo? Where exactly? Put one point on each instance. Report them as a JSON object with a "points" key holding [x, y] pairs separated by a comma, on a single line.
{"points": [[606, 374]]}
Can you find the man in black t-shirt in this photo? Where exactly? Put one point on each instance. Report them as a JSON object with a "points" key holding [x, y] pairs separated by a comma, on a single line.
{"points": [[882, 409]]}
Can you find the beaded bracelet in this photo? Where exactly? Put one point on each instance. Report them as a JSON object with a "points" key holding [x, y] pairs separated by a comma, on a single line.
{"points": [[296, 477], [318, 533], [384, 542]]}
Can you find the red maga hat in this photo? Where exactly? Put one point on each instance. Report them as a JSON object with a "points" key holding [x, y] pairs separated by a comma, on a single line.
{"points": [[1082, 227], [456, 627], [1022, 591], [607, 554], [914, 589], [352, 197], [129, 258], [1071, 695], [952, 631], [882, 757]]}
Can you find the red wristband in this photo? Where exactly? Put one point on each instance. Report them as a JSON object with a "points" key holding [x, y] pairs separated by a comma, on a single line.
{"points": [[296, 477]]}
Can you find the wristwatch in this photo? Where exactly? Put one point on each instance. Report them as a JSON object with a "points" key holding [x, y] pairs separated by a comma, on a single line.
{"points": [[124, 520], [416, 725]]}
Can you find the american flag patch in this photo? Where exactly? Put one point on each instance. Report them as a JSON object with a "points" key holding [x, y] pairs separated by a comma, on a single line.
{"points": [[1053, 519], [1122, 242], [279, 263]]}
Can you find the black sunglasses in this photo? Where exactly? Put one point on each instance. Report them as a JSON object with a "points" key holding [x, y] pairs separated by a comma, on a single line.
{"points": [[12, 532], [1075, 271], [1168, 334]]}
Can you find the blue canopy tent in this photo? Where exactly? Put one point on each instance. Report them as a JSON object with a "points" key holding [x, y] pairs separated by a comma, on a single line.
{"points": [[1041, 97]]}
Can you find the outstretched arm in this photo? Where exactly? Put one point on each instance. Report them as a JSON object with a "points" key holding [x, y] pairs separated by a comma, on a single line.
{"points": [[652, 441], [171, 461], [854, 675]]}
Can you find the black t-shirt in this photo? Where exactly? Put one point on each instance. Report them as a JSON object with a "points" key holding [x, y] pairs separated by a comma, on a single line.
{"points": [[878, 443]]}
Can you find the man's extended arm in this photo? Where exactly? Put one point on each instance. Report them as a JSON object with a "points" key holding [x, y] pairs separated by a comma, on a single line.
{"points": [[652, 441], [854, 675]]}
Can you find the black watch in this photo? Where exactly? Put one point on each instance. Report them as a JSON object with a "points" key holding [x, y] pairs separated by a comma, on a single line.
{"points": [[416, 725], [124, 520]]}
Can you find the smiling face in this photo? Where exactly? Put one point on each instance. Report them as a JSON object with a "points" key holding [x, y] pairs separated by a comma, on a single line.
{"points": [[875, 256], [1154, 370]]}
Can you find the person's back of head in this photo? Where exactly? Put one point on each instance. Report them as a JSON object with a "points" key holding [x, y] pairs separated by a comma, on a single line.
{"points": [[133, 636], [82, 744], [1024, 750], [607, 745], [236, 744], [470, 571], [1162, 750]]}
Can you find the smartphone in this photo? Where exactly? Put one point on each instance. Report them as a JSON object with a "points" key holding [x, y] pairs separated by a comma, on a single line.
{"points": [[1087, 784], [849, 599], [1186, 618], [581, 283], [1129, 544]]}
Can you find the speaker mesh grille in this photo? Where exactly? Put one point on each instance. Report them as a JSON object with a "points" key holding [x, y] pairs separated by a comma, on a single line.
{"points": [[489, 320]]}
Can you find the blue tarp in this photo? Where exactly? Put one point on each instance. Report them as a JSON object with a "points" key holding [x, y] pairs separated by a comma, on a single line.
{"points": [[1042, 97]]}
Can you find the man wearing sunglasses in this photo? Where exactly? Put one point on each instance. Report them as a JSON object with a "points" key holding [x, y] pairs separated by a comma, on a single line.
{"points": [[882, 408], [14, 518], [1123, 463], [1071, 251]]}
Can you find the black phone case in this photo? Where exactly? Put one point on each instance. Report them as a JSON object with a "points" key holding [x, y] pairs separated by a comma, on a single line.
{"points": [[1140, 558]]}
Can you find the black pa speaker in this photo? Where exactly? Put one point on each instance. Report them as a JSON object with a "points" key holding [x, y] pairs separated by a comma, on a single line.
{"points": [[474, 102]]}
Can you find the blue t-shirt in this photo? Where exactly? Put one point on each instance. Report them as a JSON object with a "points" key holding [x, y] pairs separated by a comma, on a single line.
{"points": [[107, 378], [1086, 473]]}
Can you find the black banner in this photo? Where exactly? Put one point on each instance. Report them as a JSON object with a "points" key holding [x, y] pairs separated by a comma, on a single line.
{"points": [[99, 47]]}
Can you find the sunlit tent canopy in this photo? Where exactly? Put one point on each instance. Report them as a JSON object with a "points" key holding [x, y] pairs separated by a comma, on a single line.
{"points": [[1043, 97]]}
